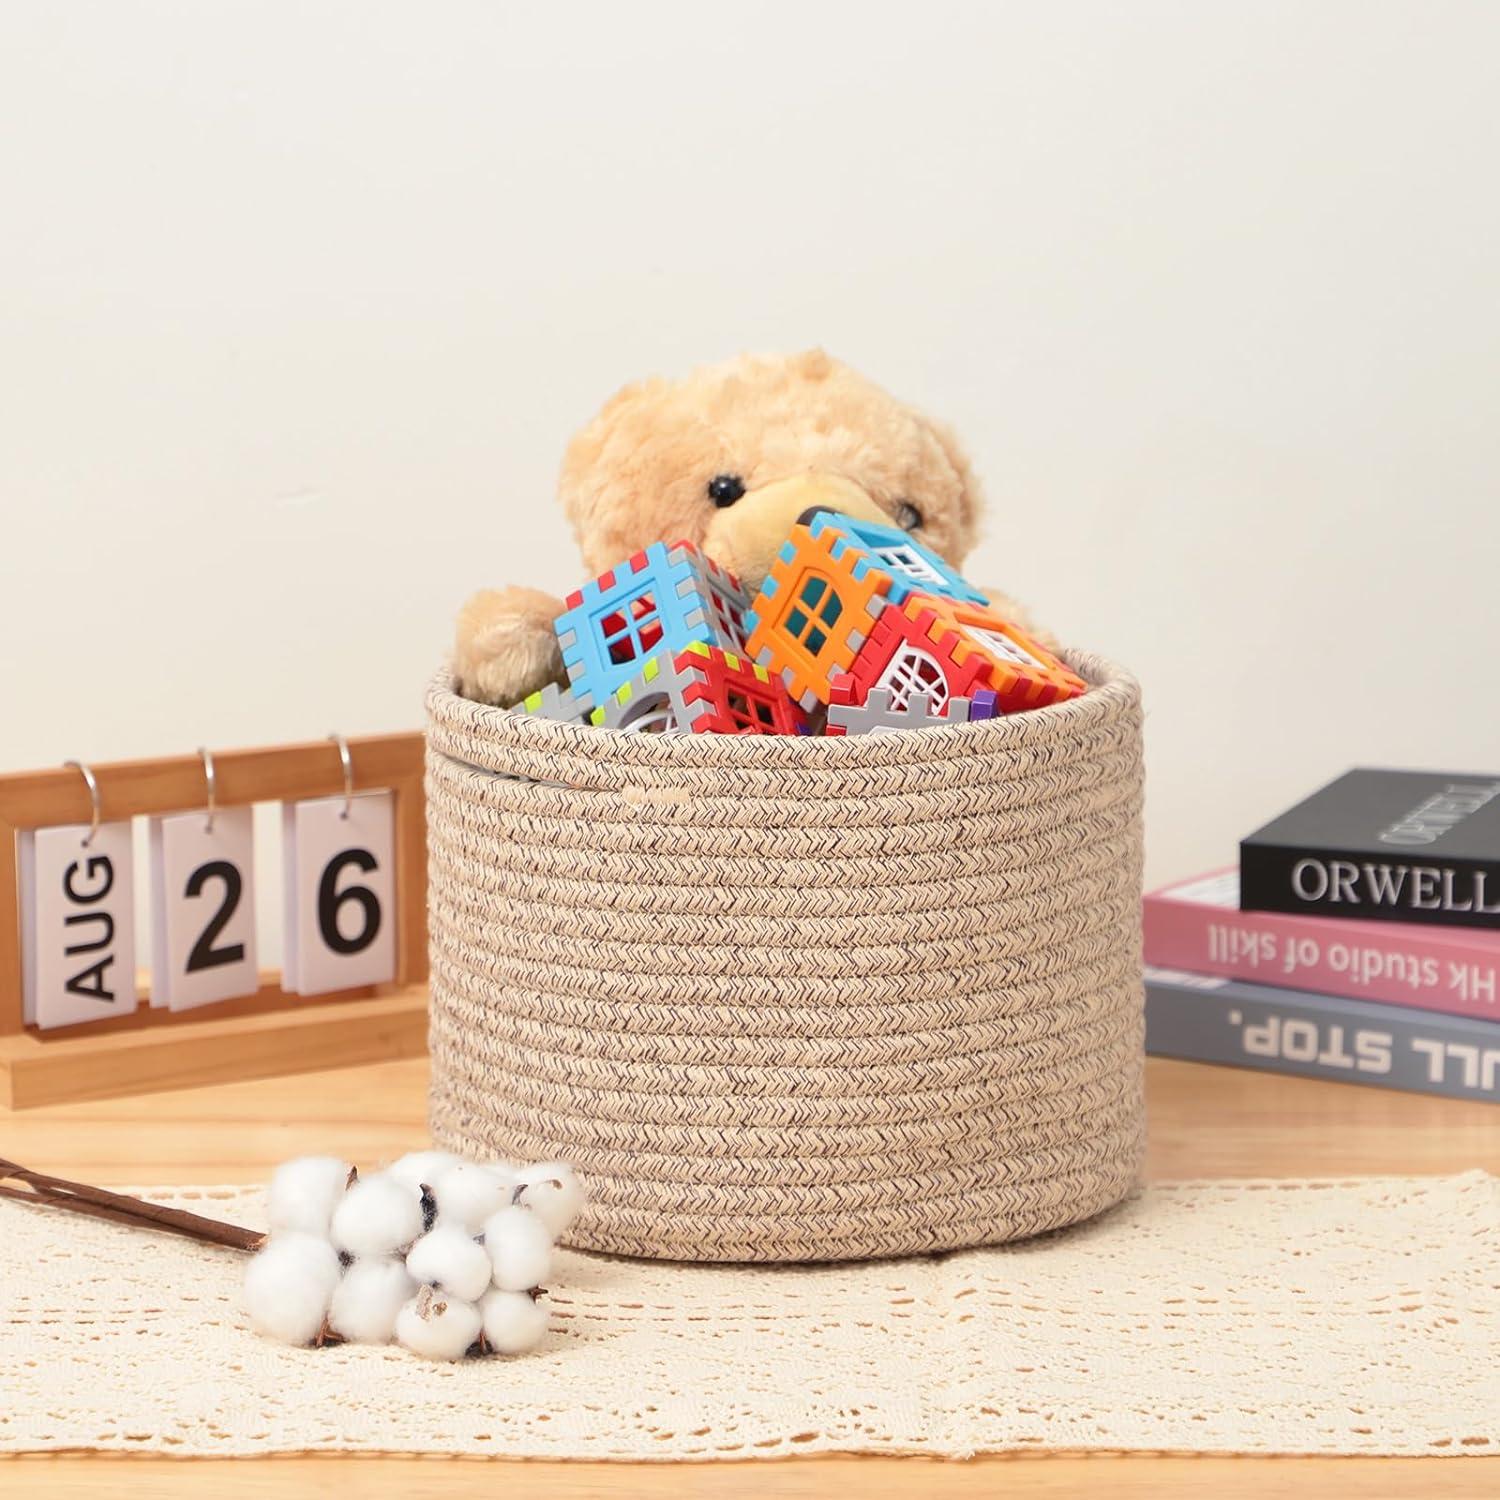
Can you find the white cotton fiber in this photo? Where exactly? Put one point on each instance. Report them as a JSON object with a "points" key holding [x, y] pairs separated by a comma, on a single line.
{"points": [[377, 1216], [506, 1172], [520, 1248], [468, 1194], [513, 1321], [366, 1301], [418, 1167], [552, 1191], [304, 1193], [289, 1285], [452, 1260], [438, 1325]]}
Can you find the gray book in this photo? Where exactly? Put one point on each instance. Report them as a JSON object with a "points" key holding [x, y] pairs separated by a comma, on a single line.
{"points": [[1205, 1019]]}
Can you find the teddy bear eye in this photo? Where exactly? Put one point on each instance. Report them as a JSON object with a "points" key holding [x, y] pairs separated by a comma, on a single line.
{"points": [[725, 489], [908, 517]]}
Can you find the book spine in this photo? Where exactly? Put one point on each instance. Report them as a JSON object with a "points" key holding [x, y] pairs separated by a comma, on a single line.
{"points": [[1398, 966], [1369, 888], [1297, 1034]]}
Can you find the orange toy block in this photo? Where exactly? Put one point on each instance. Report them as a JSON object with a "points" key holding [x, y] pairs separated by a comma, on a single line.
{"points": [[815, 612]]}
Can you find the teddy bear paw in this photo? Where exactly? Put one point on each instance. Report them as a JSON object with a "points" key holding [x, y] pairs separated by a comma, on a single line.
{"points": [[505, 646]]}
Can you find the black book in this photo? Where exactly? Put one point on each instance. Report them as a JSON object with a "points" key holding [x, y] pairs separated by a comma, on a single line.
{"points": [[1387, 846]]}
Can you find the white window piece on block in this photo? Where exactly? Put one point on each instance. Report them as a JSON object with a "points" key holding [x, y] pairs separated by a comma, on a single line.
{"points": [[1000, 645], [340, 893], [909, 561], [77, 924], [913, 672], [203, 908], [650, 713]]}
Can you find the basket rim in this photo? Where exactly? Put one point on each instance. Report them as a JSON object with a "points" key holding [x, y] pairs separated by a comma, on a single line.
{"points": [[491, 731]]}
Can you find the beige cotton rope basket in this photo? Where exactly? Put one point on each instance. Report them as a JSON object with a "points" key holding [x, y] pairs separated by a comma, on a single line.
{"points": [[794, 999]]}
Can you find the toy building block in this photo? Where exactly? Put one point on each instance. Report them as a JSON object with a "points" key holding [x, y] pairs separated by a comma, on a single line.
{"points": [[702, 690], [983, 704], [950, 649], [815, 611], [554, 702], [646, 704], [914, 568], [663, 598], [853, 711], [734, 695]]}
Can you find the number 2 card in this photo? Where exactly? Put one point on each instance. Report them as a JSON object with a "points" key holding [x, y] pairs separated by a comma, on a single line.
{"points": [[340, 929], [203, 900]]}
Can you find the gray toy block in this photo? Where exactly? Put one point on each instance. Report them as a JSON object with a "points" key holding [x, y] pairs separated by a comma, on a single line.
{"points": [[652, 701], [554, 702], [878, 715]]}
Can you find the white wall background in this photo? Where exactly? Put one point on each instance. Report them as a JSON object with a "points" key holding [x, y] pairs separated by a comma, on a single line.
{"points": [[299, 303]]}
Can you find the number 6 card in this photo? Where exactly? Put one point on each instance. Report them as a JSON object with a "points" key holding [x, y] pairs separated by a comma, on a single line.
{"points": [[339, 856], [203, 896]]}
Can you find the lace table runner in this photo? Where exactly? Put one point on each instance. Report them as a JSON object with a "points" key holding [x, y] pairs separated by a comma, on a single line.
{"points": [[1289, 1317]]}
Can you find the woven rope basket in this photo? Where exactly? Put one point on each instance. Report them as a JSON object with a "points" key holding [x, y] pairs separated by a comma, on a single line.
{"points": [[794, 999]]}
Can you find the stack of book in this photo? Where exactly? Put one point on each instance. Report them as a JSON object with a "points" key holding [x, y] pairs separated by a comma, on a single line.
{"points": [[1358, 940]]}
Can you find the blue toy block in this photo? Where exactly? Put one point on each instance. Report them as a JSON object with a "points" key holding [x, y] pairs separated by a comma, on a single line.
{"points": [[914, 568], [665, 598]]}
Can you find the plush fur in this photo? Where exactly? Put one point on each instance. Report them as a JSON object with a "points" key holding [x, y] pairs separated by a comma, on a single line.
{"points": [[505, 647], [797, 430]]}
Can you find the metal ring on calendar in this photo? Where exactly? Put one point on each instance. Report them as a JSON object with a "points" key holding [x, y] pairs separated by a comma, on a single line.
{"points": [[347, 762], [93, 787], [212, 780]]}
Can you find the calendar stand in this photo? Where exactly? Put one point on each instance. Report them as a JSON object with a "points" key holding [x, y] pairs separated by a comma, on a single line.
{"points": [[258, 1035]]}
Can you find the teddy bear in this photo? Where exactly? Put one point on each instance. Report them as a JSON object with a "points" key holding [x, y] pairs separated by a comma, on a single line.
{"points": [[728, 458]]}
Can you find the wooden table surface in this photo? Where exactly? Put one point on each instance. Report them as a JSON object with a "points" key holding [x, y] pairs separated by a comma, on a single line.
{"points": [[1205, 1122]]}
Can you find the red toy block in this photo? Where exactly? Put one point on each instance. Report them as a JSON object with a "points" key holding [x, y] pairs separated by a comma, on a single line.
{"points": [[734, 695], [947, 648]]}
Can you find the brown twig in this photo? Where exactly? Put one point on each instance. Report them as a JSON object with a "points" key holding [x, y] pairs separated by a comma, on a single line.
{"points": [[73, 1205], [99, 1203]]}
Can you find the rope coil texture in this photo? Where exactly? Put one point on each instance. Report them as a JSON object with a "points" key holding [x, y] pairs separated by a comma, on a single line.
{"points": [[789, 999]]}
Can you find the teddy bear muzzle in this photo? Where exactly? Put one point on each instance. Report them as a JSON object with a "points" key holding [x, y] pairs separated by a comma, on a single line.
{"points": [[745, 536]]}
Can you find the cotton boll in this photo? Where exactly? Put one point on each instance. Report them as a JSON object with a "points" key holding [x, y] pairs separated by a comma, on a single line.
{"points": [[418, 1167], [520, 1248], [304, 1193], [468, 1194], [451, 1259], [514, 1322], [552, 1191], [377, 1216], [438, 1325], [366, 1301], [506, 1172], [289, 1284]]}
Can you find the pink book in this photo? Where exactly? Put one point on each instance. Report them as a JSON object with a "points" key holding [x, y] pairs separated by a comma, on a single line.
{"points": [[1198, 926]]}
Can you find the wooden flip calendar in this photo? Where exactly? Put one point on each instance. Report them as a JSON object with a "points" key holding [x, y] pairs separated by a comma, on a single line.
{"points": [[353, 986]]}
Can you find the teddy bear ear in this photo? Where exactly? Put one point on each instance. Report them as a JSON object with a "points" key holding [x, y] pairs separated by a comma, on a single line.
{"points": [[970, 497], [627, 396], [813, 364]]}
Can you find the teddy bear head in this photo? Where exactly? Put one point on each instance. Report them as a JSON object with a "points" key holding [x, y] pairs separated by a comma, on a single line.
{"points": [[729, 457]]}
